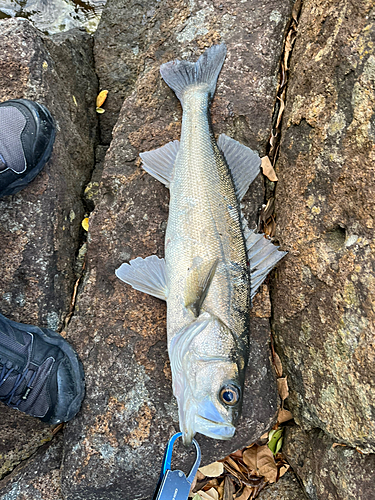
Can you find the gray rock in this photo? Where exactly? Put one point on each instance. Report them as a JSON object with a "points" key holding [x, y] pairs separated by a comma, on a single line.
{"points": [[37, 479], [115, 446], [40, 226], [324, 324], [328, 470], [286, 488]]}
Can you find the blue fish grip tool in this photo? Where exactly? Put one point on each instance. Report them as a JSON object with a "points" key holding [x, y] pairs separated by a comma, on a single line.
{"points": [[173, 484]]}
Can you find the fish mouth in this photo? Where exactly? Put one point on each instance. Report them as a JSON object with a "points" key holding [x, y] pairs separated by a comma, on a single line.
{"points": [[213, 429]]}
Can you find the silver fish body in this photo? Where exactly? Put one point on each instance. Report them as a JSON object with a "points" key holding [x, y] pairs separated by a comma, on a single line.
{"points": [[205, 277]]}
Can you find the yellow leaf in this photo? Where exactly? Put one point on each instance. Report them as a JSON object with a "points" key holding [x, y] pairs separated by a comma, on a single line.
{"points": [[212, 470], [282, 386], [100, 110], [75, 100], [102, 96], [85, 224], [268, 170]]}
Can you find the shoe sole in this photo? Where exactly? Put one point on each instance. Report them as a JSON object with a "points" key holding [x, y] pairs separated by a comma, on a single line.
{"points": [[62, 413], [20, 184]]}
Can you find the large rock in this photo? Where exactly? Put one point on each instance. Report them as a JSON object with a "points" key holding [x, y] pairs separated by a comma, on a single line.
{"points": [[323, 297], [40, 226], [37, 479], [286, 488], [328, 470], [114, 448]]}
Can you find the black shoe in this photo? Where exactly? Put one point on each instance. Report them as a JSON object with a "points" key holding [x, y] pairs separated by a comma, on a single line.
{"points": [[40, 373], [27, 134]]}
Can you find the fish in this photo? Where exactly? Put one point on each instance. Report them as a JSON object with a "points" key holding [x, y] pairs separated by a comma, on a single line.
{"points": [[213, 264]]}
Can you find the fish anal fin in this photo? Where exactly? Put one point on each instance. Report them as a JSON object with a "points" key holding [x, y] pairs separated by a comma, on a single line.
{"points": [[146, 275], [160, 162], [243, 163], [198, 284]]}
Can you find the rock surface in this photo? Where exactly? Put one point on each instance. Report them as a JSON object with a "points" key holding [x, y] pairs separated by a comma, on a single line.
{"points": [[286, 488], [328, 470], [325, 324], [115, 445], [37, 479], [40, 226]]}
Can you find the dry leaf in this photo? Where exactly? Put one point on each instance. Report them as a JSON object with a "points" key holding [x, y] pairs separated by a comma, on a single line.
{"points": [[100, 110], [102, 96], [284, 416], [229, 489], [283, 469], [270, 228], [277, 364], [281, 111], [250, 457], [260, 459], [211, 494], [212, 470], [85, 223], [337, 444], [246, 493], [268, 170], [282, 386]]}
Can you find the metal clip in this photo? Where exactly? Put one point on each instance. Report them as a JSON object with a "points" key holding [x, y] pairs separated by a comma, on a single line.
{"points": [[173, 484]]}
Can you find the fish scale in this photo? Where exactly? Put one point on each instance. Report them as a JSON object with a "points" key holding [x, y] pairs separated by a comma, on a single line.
{"points": [[205, 277]]}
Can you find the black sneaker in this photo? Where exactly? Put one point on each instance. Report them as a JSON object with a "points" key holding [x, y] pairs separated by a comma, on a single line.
{"points": [[27, 134], [40, 373]]}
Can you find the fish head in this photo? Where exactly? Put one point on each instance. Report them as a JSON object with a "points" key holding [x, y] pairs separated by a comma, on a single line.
{"points": [[208, 369]]}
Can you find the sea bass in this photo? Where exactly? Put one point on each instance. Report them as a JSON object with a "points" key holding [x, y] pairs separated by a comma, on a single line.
{"points": [[213, 263]]}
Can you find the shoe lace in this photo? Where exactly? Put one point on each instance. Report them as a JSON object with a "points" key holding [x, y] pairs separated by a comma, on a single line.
{"points": [[6, 371]]}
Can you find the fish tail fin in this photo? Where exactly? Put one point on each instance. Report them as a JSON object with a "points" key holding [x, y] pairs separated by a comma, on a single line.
{"points": [[180, 75]]}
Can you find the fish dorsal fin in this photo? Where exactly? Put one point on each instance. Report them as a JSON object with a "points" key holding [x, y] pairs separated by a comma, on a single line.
{"points": [[146, 275], [160, 162], [198, 283], [244, 163], [262, 254]]}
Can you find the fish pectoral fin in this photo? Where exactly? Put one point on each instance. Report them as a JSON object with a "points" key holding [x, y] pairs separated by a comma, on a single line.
{"points": [[146, 275], [243, 163], [197, 285], [160, 162], [263, 256]]}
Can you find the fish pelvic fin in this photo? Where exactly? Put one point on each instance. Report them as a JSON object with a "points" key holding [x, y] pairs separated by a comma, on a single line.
{"points": [[160, 162], [243, 163], [146, 275], [262, 254], [198, 283], [180, 75]]}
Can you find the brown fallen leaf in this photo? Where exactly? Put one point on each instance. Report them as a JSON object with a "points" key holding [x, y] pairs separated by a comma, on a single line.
{"points": [[268, 169], [283, 469], [338, 444], [102, 96], [211, 494], [282, 386], [277, 364], [229, 489], [212, 470], [284, 416], [246, 493]]}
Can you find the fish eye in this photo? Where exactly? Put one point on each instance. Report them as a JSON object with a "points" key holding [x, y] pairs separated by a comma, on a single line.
{"points": [[229, 395]]}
